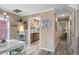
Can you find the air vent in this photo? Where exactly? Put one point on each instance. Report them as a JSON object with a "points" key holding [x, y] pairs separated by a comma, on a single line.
{"points": [[17, 10]]}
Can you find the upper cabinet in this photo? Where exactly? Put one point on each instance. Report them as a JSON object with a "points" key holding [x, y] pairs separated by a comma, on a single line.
{"points": [[34, 25]]}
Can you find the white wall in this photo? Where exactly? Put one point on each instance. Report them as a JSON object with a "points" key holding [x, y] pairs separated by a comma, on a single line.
{"points": [[78, 31], [73, 32], [47, 34]]}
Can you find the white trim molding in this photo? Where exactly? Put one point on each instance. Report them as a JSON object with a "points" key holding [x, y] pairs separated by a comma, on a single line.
{"points": [[47, 49]]}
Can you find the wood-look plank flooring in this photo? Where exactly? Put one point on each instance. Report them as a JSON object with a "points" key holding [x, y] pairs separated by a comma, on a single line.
{"points": [[62, 49]]}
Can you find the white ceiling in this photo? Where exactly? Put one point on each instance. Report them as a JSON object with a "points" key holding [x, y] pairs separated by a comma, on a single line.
{"points": [[28, 9]]}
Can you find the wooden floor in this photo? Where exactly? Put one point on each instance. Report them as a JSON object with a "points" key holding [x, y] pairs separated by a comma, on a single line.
{"points": [[62, 49]]}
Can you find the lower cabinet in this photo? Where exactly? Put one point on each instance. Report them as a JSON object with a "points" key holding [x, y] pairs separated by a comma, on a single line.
{"points": [[34, 37]]}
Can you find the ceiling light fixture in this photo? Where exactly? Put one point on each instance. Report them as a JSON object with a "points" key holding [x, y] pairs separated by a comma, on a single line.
{"points": [[63, 15], [17, 10], [4, 13]]}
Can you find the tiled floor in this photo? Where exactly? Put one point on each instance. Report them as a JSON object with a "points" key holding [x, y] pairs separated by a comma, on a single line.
{"points": [[62, 49]]}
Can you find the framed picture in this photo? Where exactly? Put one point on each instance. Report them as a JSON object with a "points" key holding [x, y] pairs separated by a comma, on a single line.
{"points": [[45, 24]]}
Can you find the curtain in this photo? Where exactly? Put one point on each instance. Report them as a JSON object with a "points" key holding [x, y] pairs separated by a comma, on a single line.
{"points": [[3, 30]]}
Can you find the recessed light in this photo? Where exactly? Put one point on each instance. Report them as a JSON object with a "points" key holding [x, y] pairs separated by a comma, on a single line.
{"points": [[63, 15], [4, 13]]}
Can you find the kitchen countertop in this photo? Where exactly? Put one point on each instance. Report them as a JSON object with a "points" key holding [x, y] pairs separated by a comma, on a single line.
{"points": [[11, 44]]}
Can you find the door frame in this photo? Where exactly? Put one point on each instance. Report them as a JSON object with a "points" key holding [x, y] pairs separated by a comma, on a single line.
{"points": [[39, 18]]}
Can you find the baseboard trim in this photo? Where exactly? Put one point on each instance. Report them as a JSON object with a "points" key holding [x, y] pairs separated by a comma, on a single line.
{"points": [[47, 49]]}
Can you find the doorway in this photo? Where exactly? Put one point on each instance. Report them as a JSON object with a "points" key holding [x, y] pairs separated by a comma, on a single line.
{"points": [[63, 33], [34, 32]]}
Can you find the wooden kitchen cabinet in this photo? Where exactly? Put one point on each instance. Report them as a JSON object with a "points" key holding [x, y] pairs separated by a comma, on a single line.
{"points": [[34, 37]]}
